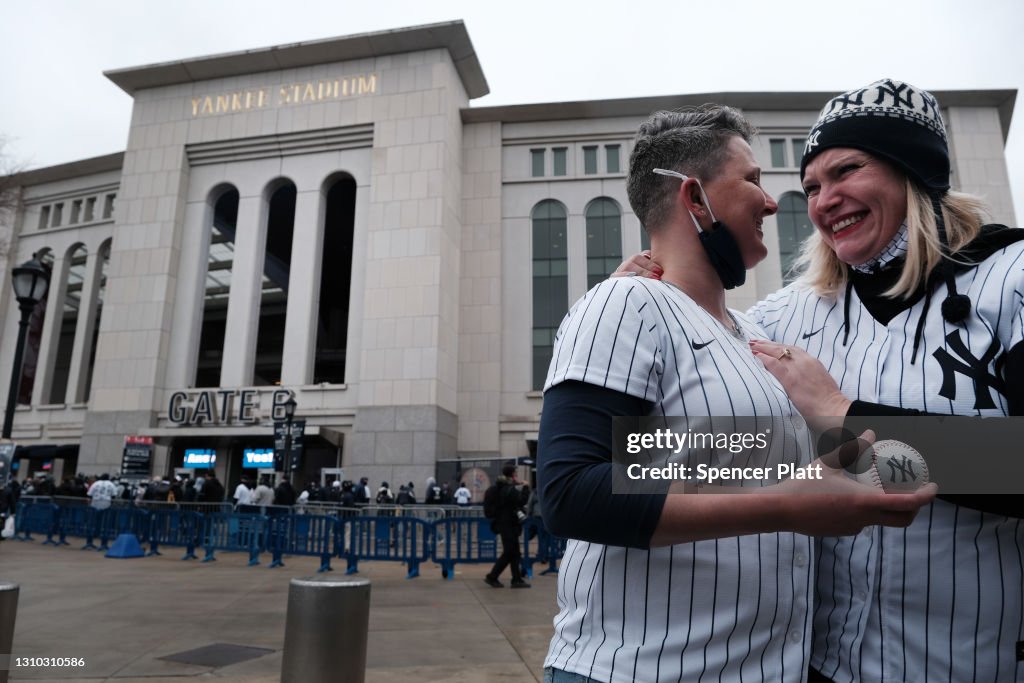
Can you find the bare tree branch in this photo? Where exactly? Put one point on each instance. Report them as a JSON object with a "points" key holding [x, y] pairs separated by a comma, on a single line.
{"points": [[10, 197]]}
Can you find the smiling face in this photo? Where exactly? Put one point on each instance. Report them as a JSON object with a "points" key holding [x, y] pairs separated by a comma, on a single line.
{"points": [[737, 200], [856, 201]]}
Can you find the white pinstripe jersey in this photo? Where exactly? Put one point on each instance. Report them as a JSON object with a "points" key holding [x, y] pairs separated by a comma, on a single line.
{"points": [[734, 609], [942, 599]]}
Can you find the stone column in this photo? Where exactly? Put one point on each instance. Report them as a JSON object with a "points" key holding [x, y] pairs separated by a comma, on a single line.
{"points": [[303, 289], [246, 289]]}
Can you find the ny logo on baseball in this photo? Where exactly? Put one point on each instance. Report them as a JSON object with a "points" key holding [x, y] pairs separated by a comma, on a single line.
{"points": [[892, 466]]}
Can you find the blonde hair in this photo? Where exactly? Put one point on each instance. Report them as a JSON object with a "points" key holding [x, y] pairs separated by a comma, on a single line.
{"points": [[963, 214]]}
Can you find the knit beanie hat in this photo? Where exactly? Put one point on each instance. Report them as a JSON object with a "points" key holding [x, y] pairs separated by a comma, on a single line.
{"points": [[900, 123], [889, 119]]}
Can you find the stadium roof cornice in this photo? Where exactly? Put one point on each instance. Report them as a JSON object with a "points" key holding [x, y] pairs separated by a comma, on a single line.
{"points": [[71, 169], [1002, 100], [450, 35]]}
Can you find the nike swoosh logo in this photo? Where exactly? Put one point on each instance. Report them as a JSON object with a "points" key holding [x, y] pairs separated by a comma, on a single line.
{"points": [[697, 346], [808, 335]]}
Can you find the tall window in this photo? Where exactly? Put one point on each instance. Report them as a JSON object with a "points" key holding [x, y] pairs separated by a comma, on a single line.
{"points": [[786, 152], [101, 289], [612, 158], [537, 163], [560, 154], [274, 299], [778, 150], [590, 160], [550, 283], [335, 283], [794, 228], [218, 286], [604, 239], [68, 324]]}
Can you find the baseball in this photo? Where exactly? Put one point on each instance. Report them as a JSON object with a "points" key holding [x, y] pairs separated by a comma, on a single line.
{"points": [[891, 465]]}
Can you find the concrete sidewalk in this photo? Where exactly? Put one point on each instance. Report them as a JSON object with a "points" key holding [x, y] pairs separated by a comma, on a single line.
{"points": [[123, 616]]}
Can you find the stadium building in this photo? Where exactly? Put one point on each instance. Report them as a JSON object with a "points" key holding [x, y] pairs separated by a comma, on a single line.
{"points": [[333, 221]]}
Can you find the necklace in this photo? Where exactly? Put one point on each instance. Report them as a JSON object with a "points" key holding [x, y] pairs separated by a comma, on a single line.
{"points": [[736, 331]]}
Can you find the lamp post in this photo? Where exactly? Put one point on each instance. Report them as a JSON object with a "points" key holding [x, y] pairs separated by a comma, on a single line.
{"points": [[30, 281], [289, 416]]}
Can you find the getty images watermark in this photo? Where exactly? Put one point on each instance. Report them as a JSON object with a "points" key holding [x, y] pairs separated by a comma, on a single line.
{"points": [[964, 455]]}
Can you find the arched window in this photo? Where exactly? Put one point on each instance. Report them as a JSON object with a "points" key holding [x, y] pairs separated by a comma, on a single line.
{"points": [[274, 300], [101, 288], [794, 228], [335, 282], [604, 239], [68, 323], [218, 285], [550, 283]]}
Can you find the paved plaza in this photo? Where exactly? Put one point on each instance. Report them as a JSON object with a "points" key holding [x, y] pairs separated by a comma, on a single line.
{"points": [[123, 616]]}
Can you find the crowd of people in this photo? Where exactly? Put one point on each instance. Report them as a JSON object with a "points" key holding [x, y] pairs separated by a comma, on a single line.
{"points": [[205, 487]]}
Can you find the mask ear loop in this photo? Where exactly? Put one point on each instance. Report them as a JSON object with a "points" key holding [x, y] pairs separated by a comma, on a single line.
{"points": [[704, 196]]}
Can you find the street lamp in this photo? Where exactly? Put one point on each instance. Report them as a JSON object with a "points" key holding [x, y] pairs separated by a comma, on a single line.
{"points": [[289, 416], [30, 281]]}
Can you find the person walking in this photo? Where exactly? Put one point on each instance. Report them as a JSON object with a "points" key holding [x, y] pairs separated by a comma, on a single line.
{"points": [[505, 501]]}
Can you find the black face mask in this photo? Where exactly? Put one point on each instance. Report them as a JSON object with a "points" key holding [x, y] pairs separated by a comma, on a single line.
{"points": [[719, 244], [724, 254]]}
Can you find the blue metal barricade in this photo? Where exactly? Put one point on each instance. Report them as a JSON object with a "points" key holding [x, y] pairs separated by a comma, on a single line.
{"points": [[114, 521], [540, 546], [78, 521], [301, 535], [175, 528], [36, 517], [463, 540], [265, 510], [234, 532], [396, 539]]}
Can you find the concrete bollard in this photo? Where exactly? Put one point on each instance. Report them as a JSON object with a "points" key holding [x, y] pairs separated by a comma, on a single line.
{"points": [[8, 610], [326, 630]]}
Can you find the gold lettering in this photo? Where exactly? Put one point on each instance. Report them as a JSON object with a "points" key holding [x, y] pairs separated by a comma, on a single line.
{"points": [[292, 93], [368, 86]]}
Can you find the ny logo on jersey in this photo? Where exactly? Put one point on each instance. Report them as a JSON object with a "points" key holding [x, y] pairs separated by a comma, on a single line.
{"points": [[903, 466], [969, 365]]}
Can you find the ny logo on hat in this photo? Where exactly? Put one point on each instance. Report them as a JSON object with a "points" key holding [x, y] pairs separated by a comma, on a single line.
{"points": [[812, 141]]}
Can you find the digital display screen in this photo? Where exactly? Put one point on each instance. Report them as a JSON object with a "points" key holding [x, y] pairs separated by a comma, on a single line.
{"points": [[200, 457], [258, 458]]}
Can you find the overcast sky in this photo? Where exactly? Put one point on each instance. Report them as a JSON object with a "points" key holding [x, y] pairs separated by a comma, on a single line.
{"points": [[56, 105]]}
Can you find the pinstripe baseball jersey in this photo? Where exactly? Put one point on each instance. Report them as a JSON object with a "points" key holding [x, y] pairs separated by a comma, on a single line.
{"points": [[942, 599], [734, 609]]}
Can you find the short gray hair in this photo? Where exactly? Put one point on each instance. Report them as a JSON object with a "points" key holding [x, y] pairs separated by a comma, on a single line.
{"points": [[691, 141]]}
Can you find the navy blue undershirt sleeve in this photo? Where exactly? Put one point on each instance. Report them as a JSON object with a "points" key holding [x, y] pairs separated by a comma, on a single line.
{"points": [[1006, 505], [574, 468]]}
